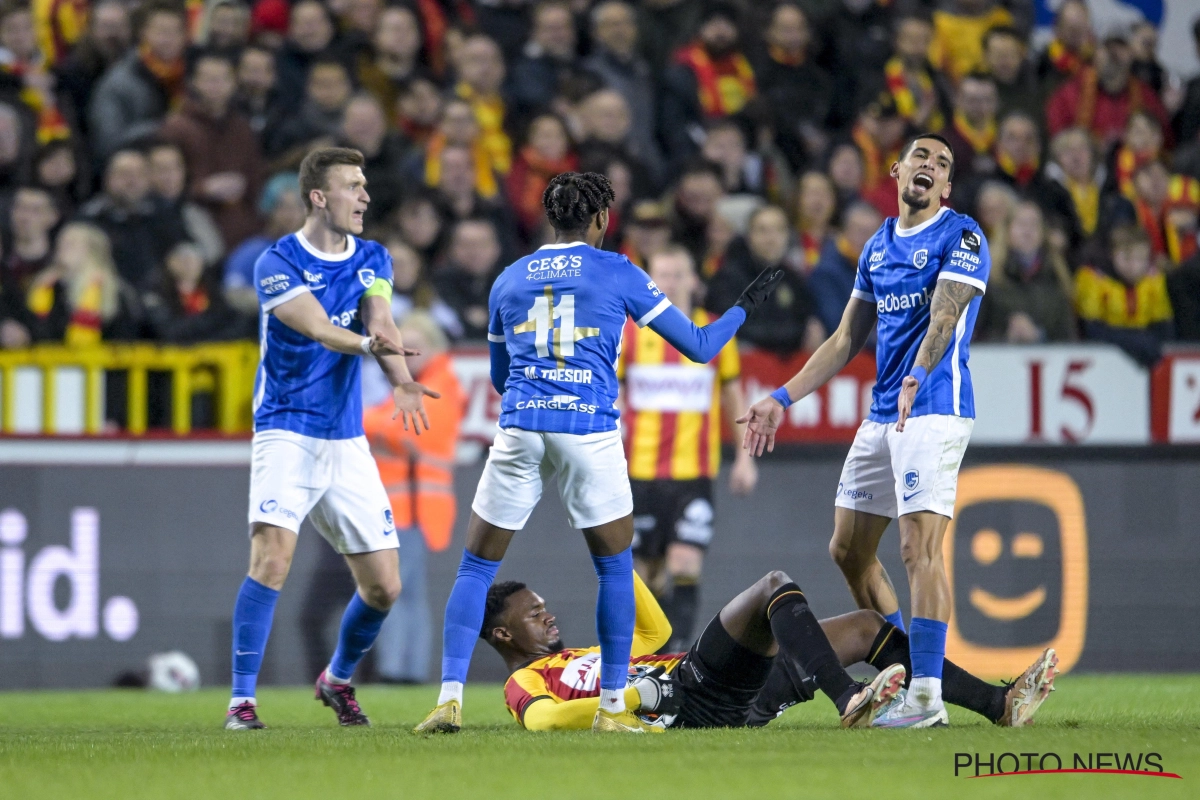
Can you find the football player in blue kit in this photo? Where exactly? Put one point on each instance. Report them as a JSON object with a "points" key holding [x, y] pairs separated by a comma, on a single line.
{"points": [[325, 299], [921, 277], [556, 319]]}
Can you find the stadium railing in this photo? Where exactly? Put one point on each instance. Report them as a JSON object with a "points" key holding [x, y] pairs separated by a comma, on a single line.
{"points": [[226, 370]]}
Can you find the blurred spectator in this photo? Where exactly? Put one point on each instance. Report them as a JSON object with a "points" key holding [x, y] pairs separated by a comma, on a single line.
{"points": [[799, 92], [106, 41], [141, 228], [419, 474], [1074, 167], [458, 128], [310, 35], [695, 206], [358, 20], [1143, 38], [548, 74], [1004, 58], [1126, 302], [1187, 119], [1101, 98], [1072, 48], [845, 169], [56, 169], [473, 262], [1141, 142], [506, 22], [994, 205], [393, 57], [412, 291], [816, 207], [25, 74], [481, 73], [972, 129], [365, 128], [606, 125], [878, 133], [168, 180], [958, 31], [284, 212], [787, 321], [911, 80], [1019, 163], [32, 220], [458, 196], [79, 299], [418, 109], [133, 96], [708, 78], [185, 306], [257, 98], [224, 165], [1167, 210], [420, 223], [663, 26], [647, 231], [318, 120], [228, 28], [833, 279], [615, 61], [546, 153], [1029, 299], [17, 148], [855, 51]]}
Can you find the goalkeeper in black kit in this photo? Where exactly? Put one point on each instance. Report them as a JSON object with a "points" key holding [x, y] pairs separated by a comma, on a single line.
{"points": [[764, 652]]}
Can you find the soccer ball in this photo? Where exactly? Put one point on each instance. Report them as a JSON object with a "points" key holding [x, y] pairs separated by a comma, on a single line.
{"points": [[173, 672]]}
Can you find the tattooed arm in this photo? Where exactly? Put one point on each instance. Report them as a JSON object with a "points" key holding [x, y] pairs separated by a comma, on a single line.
{"points": [[950, 301]]}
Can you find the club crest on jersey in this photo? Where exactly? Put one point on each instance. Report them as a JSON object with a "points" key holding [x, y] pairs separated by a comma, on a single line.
{"points": [[921, 258], [911, 479], [970, 241], [366, 277]]}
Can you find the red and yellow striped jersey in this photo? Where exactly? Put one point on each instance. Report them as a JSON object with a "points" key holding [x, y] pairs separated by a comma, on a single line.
{"points": [[672, 419]]}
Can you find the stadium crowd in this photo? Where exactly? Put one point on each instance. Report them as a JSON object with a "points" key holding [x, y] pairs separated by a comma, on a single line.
{"points": [[148, 153]]}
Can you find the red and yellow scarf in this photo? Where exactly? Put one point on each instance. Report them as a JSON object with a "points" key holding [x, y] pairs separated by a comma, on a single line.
{"points": [[1087, 98], [900, 85], [981, 141], [485, 179], [1022, 174], [169, 74], [1086, 199], [725, 85], [50, 122], [489, 113], [1065, 61], [1126, 164], [1165, 238]]}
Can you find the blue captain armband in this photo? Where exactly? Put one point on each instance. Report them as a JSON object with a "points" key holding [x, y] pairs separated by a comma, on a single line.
{"points": [[781, 395]]}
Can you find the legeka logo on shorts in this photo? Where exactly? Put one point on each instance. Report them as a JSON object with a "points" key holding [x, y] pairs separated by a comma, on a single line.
{"points": [[389, 523], [912, 479], [1016, 558]]}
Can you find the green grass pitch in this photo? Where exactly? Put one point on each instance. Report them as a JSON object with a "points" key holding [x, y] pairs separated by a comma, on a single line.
{"points": [[129, 744]]}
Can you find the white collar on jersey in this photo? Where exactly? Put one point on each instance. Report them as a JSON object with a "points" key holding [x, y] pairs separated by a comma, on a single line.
{"points": [[918, 228], [342, 256], [561, 245]]}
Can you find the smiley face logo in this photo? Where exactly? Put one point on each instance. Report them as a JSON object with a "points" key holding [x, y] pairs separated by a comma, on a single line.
{"points": [[1016, 557]]}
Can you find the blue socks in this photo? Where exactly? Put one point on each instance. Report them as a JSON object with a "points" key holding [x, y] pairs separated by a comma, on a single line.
{"points": [[252, 615], [927, 647], [897, 619], [360, 627], [464, 615], [614, 617]]}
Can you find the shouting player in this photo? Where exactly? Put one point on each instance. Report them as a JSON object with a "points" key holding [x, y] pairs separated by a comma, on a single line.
{"points": [[556, 318], [672, 425], [713, 685], [921, 277], [326, 302]]}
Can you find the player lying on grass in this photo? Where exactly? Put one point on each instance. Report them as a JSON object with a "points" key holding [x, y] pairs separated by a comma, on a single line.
{"points": [[764, 652]]}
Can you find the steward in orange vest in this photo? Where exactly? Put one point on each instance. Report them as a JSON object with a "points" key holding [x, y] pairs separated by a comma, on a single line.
{"points": [[418, 471]]}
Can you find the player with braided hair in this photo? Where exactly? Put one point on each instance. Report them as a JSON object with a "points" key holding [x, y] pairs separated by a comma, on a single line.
{"points": [[556, 320]]}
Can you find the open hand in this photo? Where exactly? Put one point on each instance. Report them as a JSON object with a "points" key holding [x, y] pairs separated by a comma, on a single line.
{"points": [[762, 420], [409, 399]]}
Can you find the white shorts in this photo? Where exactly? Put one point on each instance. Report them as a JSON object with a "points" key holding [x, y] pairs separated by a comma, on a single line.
{"points": [[333, 480], [892, 474], [593, 478]]}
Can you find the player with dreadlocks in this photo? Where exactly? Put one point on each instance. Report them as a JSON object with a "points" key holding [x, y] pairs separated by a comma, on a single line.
{"points": [[556, 319]]}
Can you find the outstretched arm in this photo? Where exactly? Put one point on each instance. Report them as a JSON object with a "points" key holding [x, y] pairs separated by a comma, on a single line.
{"points": [[765, 416], [305, 315], [698, 344], [407, 394], [950, 300]]}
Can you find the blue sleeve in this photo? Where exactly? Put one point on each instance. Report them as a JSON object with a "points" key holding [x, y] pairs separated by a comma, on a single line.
{"points": [[864, 289], [699, 345], [497, 347], [643, 300], [965, 256], [276, 280]]}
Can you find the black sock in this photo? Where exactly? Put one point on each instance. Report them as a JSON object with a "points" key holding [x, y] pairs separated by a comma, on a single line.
{"points": [[800, 637], [959, 687], [681, 613], [786, 686]]}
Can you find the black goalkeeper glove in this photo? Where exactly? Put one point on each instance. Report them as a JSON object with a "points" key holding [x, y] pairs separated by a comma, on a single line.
{"points": [[759, 290], [657, 693]]}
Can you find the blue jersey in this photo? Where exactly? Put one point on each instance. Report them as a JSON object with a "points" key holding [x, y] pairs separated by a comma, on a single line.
{"points": [[898, 271], [560, 313], [301, 386]]}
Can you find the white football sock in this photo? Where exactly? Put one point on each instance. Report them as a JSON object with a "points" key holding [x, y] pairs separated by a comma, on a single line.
{"points": [[237, 701], [612, 700], [925, 693], [329, 676], [451, 690]]}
